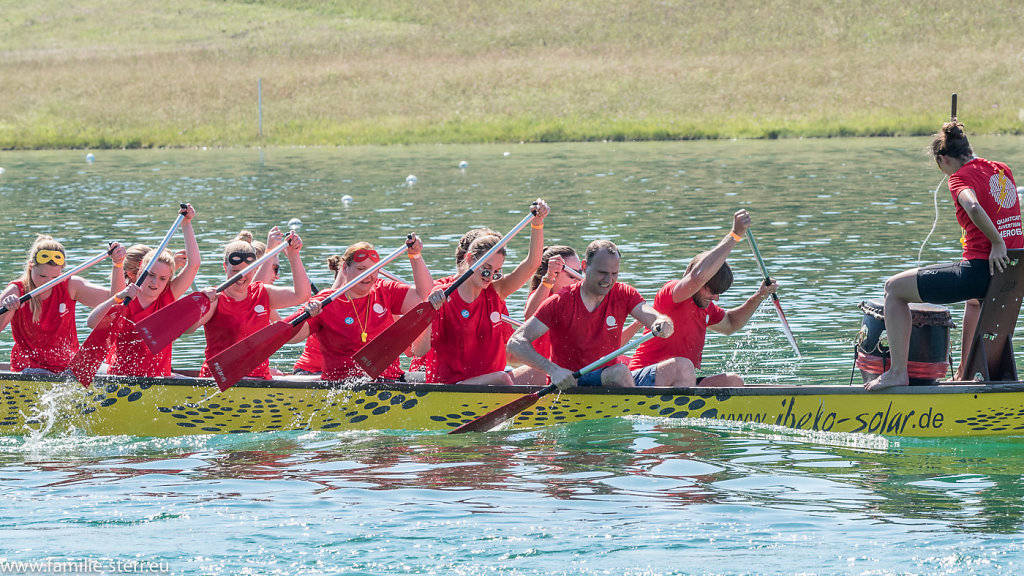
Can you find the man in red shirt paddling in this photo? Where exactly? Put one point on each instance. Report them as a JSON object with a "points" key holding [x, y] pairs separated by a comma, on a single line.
{"points": [[690, 303], [585, 323]]}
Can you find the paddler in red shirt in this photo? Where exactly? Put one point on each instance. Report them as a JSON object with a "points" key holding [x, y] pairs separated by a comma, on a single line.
{"points": [[247, 305], [44, 330], [363, 312], [585, 322], [987, 209], [691, 304]]}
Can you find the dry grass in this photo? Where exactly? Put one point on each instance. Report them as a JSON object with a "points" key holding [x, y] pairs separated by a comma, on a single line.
{"points": [[129, 74]]}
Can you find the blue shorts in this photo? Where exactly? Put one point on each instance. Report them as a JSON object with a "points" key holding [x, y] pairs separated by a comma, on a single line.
{"points": [[953, 282], [592, 378], [644, 376]]}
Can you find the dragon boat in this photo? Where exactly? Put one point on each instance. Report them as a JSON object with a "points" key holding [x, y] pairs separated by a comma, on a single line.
{"points": [[991, 403]]}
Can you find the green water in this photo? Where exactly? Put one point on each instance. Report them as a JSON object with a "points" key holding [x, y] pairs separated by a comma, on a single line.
{"points": [[833, 219]]}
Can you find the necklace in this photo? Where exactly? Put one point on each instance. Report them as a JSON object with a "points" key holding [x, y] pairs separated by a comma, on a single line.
{"points": [[362, 323]]}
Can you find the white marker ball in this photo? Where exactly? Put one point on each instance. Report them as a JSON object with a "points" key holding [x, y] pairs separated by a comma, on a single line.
{"points": [[346, 199], [2, 170], [508, 153], [410, 179], [295, 223], [463, 164], [90, 158]]}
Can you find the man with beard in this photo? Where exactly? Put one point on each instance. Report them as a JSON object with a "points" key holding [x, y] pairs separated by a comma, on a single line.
{"points": [[585, 323], [690, 303]]}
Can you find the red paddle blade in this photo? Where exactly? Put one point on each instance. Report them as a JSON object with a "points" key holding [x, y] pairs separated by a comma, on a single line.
{"points": [[380, 352], [162, 328], [236, 362], [91, 354], [496, 417]]}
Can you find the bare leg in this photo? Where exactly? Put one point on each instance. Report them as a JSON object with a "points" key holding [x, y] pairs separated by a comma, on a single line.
{"points": [[971, 314], [900, 291], [617, 375], [491, 379], [676, 371], [724, 380]]}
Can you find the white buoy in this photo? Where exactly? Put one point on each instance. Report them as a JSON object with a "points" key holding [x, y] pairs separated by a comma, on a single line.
{"points": [[410, 179], [508, 153], [295, 224], [346, 199], [2, 170], [90, 158], [463, 165]]}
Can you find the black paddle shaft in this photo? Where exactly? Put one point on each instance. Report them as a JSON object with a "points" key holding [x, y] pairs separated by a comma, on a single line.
{"points": [[465, 275]]}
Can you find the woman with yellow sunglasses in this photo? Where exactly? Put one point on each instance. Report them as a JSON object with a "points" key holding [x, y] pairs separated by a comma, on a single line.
{"points": [[45, 335]]}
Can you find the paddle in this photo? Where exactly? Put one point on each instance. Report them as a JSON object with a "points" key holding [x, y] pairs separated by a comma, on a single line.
{"points": [[166, 325], [236, 362], [91, 354], [775, 297], [499, 415], [26, 297], [380, 352]]}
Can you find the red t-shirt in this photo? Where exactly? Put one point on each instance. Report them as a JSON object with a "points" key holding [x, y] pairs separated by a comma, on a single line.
{"points": [[234, 320], [997, 196], [468, 338], [132, 357], [340, 327], [52, 342], [580, 336], [422, 363], [690, 326], [312, 359]]}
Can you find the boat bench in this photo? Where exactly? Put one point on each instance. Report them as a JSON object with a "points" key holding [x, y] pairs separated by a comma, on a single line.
{"points": [[990, 357]]}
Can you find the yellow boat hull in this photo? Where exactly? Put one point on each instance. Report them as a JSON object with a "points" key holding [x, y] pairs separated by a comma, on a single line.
{"points": [[175, 407]]}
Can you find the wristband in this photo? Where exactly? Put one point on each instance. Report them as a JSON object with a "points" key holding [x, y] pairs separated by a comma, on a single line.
{"points": [[535, 227], [413, 256], [118, 299], [735, 236], [118, 264], [548, 285]]}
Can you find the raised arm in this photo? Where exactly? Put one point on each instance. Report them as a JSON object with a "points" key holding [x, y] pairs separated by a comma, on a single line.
{"points": [[420, 273], [704, 269], [285, 296], [92, 295], [183, 281], [524, 271]]}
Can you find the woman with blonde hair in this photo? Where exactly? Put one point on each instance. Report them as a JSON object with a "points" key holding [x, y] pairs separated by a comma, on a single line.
{"points": [[246, 306], [132, 356], [45, 334]]}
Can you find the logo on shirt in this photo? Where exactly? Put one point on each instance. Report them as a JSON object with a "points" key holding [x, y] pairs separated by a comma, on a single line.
{"points": [[62, 308], [1002, 190], [610, 321], [349, 320], [259, 309], [495, 317], [378, 309], [465, 313]]}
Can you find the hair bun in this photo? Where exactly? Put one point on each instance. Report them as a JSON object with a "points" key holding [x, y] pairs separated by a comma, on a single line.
{"points": [[244, 236]]}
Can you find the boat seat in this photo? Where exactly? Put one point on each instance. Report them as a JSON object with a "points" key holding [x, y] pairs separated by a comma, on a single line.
{"points": [[990, 357]]}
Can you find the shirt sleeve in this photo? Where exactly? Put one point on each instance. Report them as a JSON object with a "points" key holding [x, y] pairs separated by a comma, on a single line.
{"points": [[394, 294], [546, 314], [715, 314]]}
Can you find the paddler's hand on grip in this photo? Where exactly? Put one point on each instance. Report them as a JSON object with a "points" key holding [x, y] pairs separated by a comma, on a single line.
{"points": [[10, 303], [740, 222], [188, 211], [117, 253], [539, 209], [769, 286], [313, 307], [663, 327], [563, 378], [415, 245], [436, 299]]}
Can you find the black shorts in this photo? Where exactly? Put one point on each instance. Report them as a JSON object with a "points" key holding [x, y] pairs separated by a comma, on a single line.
{"points": [[953, 282]]}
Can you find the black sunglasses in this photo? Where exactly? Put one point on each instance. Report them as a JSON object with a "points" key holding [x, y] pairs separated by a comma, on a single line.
{"points": [[276, 268], [490, 274], [236, 258]]}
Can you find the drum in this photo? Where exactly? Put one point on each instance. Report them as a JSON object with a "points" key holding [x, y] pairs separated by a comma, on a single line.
{"points": [[928, 357]]}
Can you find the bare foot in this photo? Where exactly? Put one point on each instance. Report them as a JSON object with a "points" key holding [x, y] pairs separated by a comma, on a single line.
{"points": [[887, 380]]}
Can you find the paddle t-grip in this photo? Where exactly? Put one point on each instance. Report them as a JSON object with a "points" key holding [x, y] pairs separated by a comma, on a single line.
{"points": [[952, 110]]}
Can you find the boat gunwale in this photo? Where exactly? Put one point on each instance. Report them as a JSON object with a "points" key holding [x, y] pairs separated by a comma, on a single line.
{"points": [[408, 387]]}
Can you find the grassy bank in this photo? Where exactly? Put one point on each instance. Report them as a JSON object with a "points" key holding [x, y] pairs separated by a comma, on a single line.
{"points": [[139, 73]]}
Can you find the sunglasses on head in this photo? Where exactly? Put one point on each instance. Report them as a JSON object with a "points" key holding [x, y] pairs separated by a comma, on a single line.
{"points": [[490, 274], [236, 258], [50, 257]]}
